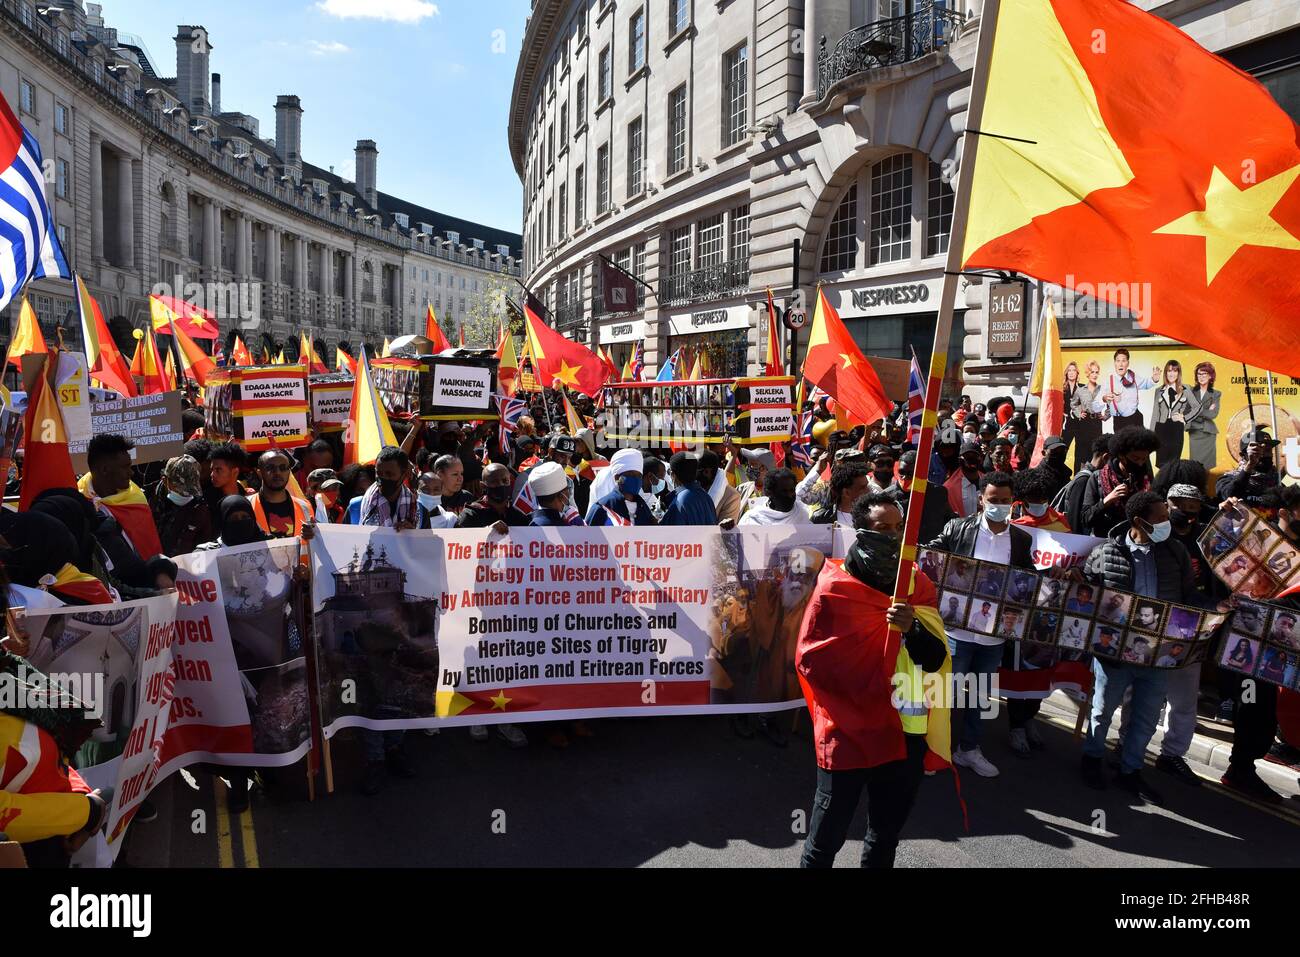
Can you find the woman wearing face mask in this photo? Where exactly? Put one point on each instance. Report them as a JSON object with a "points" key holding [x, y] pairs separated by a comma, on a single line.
{"points": [[179, 509], [238, 524]]}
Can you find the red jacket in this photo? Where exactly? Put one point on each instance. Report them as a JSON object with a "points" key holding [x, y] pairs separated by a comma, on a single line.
{"points": [[845, 660]]}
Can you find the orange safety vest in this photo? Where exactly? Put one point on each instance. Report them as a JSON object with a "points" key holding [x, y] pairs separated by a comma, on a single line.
{"points": [[301, 514]]}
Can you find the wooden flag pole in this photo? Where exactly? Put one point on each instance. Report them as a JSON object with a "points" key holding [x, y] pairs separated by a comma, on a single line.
{"points": [[947, 302]]}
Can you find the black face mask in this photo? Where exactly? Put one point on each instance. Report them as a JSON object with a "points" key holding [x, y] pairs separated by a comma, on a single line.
{"points": [[1180, 519], [389, 487], [873, 560], [498, 494], [244, 531]]}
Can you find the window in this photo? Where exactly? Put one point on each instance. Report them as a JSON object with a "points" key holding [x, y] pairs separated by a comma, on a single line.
{"points": [[564, 210], [938, 212], [679, 12], [679, 250], [841, 250], [602, 180], [65, 240], [708, 242], [636, 41], [581, 113], [550, 228], [604, 80], [638, 269], [564, 126], [28, 97], [738, 248], [579, 196], [635, 157], [550, 145], [891, 209], [582, 23], [60, 119], [735, 95], [677, 130], [61, 178]]}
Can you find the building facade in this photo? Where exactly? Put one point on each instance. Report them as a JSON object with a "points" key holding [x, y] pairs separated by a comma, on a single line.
{"points": [[157, 188], [721, 148]]}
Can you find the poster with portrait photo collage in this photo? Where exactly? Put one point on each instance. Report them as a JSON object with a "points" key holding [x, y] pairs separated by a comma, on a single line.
{"points": [[1024, 605], [1249, 554]]}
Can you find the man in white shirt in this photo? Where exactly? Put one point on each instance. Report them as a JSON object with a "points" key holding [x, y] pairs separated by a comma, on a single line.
{"points": [[1120, 391], [779, 507]]}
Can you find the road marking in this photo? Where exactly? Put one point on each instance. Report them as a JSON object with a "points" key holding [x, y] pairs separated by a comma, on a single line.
{"points": [[225, 848]]}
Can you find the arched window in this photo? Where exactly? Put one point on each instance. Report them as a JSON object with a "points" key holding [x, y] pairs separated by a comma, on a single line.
{"points": [[840, 251]]}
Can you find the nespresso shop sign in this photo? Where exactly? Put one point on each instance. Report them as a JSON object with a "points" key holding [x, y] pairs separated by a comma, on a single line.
{"points": [[710, 320], [855, 301], [1008, 303]]}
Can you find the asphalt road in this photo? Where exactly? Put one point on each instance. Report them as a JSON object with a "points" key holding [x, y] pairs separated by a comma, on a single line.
{"points": [[685, 792]]}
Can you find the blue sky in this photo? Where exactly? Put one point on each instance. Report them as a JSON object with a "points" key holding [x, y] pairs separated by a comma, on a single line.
{"points": [[429, 81]]}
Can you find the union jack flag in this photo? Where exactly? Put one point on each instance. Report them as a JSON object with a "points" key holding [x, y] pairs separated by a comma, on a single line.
{"points": [[638, 362], [915, 400], [511, 409], [29, 246], [615, 518], [526, 502], [801, 448]]}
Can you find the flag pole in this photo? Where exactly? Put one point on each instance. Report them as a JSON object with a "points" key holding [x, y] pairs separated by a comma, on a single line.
{"points": [[630, 275], [947, 302], [1272, 408], [1250, 403]]}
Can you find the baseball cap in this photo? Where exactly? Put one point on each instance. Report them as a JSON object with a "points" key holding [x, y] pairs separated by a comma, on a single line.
{"points": [[1053, 442]]}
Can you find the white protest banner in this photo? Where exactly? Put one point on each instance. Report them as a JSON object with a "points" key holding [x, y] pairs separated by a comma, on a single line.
{"points": [[223, 680], [152, 422], [331, 404], [287, 429], [420, 629], [1059, 549]]}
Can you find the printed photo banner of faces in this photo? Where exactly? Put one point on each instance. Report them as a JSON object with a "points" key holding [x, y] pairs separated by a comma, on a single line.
{"points": [[1249, 554], [1023, 605]]}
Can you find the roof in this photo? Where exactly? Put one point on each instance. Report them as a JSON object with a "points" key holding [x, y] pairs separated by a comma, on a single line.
{"points": [[441, 223]]}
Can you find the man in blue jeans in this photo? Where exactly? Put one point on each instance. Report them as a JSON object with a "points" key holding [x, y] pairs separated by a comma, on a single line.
{"points": [[988, 535], [1138, 556]]}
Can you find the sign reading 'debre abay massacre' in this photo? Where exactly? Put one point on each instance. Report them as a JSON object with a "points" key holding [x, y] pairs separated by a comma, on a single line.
{"points": [[462, 387]]}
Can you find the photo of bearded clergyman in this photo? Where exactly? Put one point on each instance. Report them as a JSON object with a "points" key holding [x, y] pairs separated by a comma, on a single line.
{"points": [[755, 630]]}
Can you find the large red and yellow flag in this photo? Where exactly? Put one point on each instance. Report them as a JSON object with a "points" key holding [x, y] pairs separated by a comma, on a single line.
{"points": [[774, 365], [368, 429], [198, 323], [104, 360], [240, 354], [148, 365], [196, 363], [307, 355], [344, 362], [1131, 164], [559, 359], [1048, 381], [507, 365], [28, 340], [836, 365], [132, 511], [46, 462], [433, 332]]}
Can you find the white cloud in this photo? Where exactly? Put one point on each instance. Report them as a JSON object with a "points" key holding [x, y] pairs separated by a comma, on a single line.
{"points": [[402, 11], [328, 48]]}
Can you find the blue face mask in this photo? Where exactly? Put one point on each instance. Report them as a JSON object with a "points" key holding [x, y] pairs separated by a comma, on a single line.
{"points": [[629, 484], [430, 502], [658, 487]]}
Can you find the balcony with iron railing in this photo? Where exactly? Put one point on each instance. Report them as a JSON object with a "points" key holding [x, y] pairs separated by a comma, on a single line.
{"points": [[705, 285], [569, 316], [887, 42]]}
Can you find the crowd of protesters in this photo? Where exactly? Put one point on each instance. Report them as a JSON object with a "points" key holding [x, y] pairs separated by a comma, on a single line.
{"points": [[988, 479]]}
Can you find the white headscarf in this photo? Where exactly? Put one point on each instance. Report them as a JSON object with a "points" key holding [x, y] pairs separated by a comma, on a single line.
{"points": [[760, 513], [606, 480]]}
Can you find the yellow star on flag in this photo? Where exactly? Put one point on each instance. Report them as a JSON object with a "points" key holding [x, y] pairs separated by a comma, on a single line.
{"points": [[848, 360], [500, 701], [568, 374], [1233, 218]]}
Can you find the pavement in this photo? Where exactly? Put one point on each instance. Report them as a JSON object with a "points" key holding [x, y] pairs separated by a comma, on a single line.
{"points": [[687, 792]]}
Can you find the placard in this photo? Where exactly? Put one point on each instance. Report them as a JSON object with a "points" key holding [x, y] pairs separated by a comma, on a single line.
{"points": [[152, 422], [261, 431], [331, 404], [462, 387]]}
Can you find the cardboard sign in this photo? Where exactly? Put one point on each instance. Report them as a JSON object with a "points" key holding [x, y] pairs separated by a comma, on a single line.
{"points": [[72, 386], [462, 387], [287, 389], [267, 430], [330, 405], [152, 422]]}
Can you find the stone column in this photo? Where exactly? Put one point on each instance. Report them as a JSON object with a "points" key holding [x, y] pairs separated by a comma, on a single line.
{"points": [[300, 265], [96, 198], [241, 247], [126, 211], [349, 288], [210, 263]]}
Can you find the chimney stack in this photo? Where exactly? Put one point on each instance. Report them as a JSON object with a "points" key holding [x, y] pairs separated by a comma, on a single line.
{"points": [[216, 94], [288, 133], [193, 54], [368, 171]]}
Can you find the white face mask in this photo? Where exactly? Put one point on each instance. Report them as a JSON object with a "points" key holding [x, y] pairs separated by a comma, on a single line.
{"points": [[1038, 511], [180, 500], [430, 502], [997, 513], [1160, 531], [657, 487]]}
